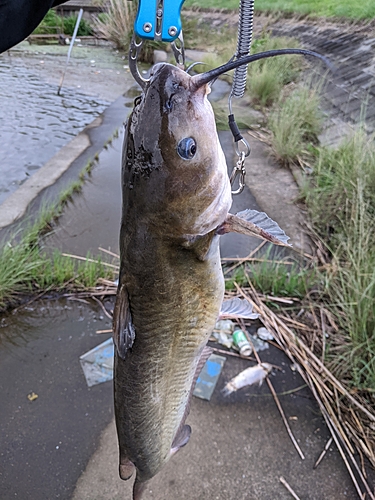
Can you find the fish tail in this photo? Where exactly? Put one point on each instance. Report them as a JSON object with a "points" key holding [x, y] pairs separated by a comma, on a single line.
{"points": [[138, 488]]}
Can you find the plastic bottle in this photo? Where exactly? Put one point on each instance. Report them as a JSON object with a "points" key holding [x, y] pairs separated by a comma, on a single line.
{"points": [[240, 340]]}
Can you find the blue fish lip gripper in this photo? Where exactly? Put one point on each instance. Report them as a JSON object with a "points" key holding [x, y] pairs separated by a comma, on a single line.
{"points": [[158, 20]]}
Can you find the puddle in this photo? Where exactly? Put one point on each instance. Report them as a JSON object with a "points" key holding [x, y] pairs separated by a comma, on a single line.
{"points": [[93, 219], [49, 418], [21, 328], [133, 92]]}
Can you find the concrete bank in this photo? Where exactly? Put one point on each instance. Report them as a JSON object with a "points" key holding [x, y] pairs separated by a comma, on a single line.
{"points": [[45, 185]]}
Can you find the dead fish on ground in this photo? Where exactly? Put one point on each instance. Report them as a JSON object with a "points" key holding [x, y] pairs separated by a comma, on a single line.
{"points": [[176, 198], [253, 375]]}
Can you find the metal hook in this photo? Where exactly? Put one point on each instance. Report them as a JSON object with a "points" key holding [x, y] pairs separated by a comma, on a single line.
{"points": [[239, 169], [247, 148], [135, 48], [179, 50]]}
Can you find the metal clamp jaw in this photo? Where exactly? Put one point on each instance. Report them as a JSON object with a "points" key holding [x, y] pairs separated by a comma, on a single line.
{"points": [[158, 20]]}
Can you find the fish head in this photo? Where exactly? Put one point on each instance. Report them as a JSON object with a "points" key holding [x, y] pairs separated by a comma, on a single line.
{"points": [[179, 167]]}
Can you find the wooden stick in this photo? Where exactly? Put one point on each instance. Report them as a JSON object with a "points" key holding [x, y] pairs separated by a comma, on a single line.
{"points": [[283, 482], [334, 434], [313, 358], [229, 353], [241, 260], [323, 335], [103, 308], [282, 300], [90, 260], [297, 324], [320, 379], [109, 252], [321, 456]]}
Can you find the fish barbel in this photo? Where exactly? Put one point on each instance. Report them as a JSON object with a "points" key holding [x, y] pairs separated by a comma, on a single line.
{"points": [[176, 198]]}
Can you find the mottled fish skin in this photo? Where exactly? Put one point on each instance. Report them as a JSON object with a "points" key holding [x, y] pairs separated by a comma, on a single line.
{"points": [[171, 285]]}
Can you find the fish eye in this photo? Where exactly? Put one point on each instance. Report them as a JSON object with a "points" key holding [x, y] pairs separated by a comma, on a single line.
{"points": [[187, 148]]}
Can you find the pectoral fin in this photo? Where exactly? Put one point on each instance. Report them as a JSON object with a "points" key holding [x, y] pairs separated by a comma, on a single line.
{"points": [[123, 328], [237, 308], [254, 223]]}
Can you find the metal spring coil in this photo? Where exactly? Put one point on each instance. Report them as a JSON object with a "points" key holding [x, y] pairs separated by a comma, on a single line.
{"points": [[245, 33]]}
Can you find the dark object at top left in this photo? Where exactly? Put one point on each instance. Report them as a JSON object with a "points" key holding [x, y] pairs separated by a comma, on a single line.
{"points": [[19, 18]]}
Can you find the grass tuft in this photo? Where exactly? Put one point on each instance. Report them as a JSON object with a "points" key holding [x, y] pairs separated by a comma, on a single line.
{"points": [[117, 24], [25, 268], [268, 76], [276, 278], [341, 202], [295, 121]]}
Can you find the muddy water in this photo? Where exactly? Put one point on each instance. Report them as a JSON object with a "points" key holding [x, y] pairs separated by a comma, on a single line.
{"points": [[45, 443], [35, 122]]}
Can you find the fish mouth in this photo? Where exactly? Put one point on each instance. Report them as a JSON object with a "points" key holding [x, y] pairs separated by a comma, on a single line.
{"points": [[202, 79]]}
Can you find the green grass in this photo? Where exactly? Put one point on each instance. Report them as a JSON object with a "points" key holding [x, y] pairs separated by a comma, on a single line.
{"points": [[338, 174], [295, 123], [53, 23], [365, 9], [266, 78], [237, 276], [275, 278], [281, 280], [341, 203], [26, 268], [340, 200], [58, 270]]}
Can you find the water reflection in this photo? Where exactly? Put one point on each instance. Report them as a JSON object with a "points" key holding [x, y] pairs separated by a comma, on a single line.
{"points": [[38, 321]]}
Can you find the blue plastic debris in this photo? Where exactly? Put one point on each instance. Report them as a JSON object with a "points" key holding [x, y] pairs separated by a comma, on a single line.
{"points": [[97, 364], [209, 376]]}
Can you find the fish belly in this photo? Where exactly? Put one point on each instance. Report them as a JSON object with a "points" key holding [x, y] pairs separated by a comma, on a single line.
{"points": [[172, 322]]}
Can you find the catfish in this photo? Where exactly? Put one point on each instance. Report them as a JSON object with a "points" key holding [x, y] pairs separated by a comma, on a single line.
{"points": [[176, 201]]}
